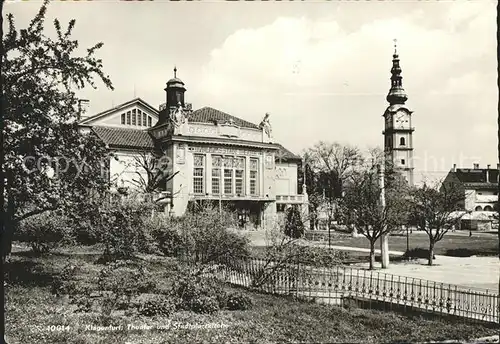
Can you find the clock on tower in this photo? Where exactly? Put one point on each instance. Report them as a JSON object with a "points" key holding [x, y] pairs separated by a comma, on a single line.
{"points": [[402, 119], [398, 140]]}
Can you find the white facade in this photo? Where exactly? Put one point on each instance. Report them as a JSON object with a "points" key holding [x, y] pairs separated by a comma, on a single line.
{"points": [[257, 181]]}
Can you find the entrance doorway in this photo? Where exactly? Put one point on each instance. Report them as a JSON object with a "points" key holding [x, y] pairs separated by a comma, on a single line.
{"points": [[248, 214]]}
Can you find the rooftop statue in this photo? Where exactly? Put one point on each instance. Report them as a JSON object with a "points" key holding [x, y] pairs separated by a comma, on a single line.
{"points": [[266, 125]]}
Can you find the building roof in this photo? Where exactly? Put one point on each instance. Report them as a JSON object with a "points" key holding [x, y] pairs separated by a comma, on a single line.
{"points": [[175, 81], [285, 155], [210, 115], [478, 175], [124, 137], [116, 108]]}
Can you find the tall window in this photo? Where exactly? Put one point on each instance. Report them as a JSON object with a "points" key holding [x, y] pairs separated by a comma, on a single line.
{"points": [[254, 175], [198, 174], [139, 117], [133, 117], [402, 141], [228, 175], [123, 118], [149, 121], [144, 119], [239, 173], [216, 174], [128, 117]]}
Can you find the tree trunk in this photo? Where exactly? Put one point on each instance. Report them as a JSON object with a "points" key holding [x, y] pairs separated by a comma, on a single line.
{"points": [[431, 252], [9, 221], [498, 150], [372, 255]]}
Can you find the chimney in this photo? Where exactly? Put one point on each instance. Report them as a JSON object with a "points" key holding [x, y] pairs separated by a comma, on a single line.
{"points": [[454, 168], [83, 109], [476, 166]]}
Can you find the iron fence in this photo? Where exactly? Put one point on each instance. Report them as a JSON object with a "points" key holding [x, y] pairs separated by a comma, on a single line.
{"points": [[340, 285]]}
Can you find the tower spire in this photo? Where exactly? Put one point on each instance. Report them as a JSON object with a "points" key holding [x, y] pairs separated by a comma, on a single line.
{"points": [[175, 71], [397, 94]]}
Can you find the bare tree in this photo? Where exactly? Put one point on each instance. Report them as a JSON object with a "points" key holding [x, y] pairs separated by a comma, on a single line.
{"points": [[151, 173], [158, 171], [369, 217], [433, 210]]}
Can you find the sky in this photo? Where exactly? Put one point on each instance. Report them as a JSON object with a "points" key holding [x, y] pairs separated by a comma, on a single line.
{"points": [[321, 69]]}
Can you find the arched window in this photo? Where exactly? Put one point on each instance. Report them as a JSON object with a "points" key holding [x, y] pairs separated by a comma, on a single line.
{"points": [[123, 118], [402, 141], [479, 208], [488, 208]]}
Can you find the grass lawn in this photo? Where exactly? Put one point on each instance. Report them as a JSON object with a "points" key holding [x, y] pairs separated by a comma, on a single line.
{"points": [[31, 309], [485, 245]]}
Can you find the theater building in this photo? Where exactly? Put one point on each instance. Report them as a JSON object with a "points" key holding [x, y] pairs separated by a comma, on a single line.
{"points": [[217, 157]]}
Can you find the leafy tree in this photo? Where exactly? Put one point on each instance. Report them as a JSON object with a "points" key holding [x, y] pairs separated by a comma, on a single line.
{"points": [[433, 210], [294, 227], [48, 164], [363, 202], [330, 165]]}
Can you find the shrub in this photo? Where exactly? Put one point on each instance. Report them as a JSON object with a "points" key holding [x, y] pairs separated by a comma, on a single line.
{"points": [[44, 231], [294, 227], [416, 253], [200, 294], [82, 300], [85, 221], [125, 279], [64, 283], [238, 301], [205, 237], [156, 305], [321, 257], [123, 229], [168, 238], [203, 304], [460, 252]]}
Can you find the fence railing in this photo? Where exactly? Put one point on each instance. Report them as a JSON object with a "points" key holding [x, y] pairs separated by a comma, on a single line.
{"points": [[338, 285]]}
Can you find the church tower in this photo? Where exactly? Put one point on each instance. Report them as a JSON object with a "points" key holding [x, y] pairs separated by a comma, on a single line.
{"points": [[398, 140]]}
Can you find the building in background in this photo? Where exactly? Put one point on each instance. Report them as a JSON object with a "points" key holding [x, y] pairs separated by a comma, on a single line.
{"points": [[219, 158], [479, 187]]}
